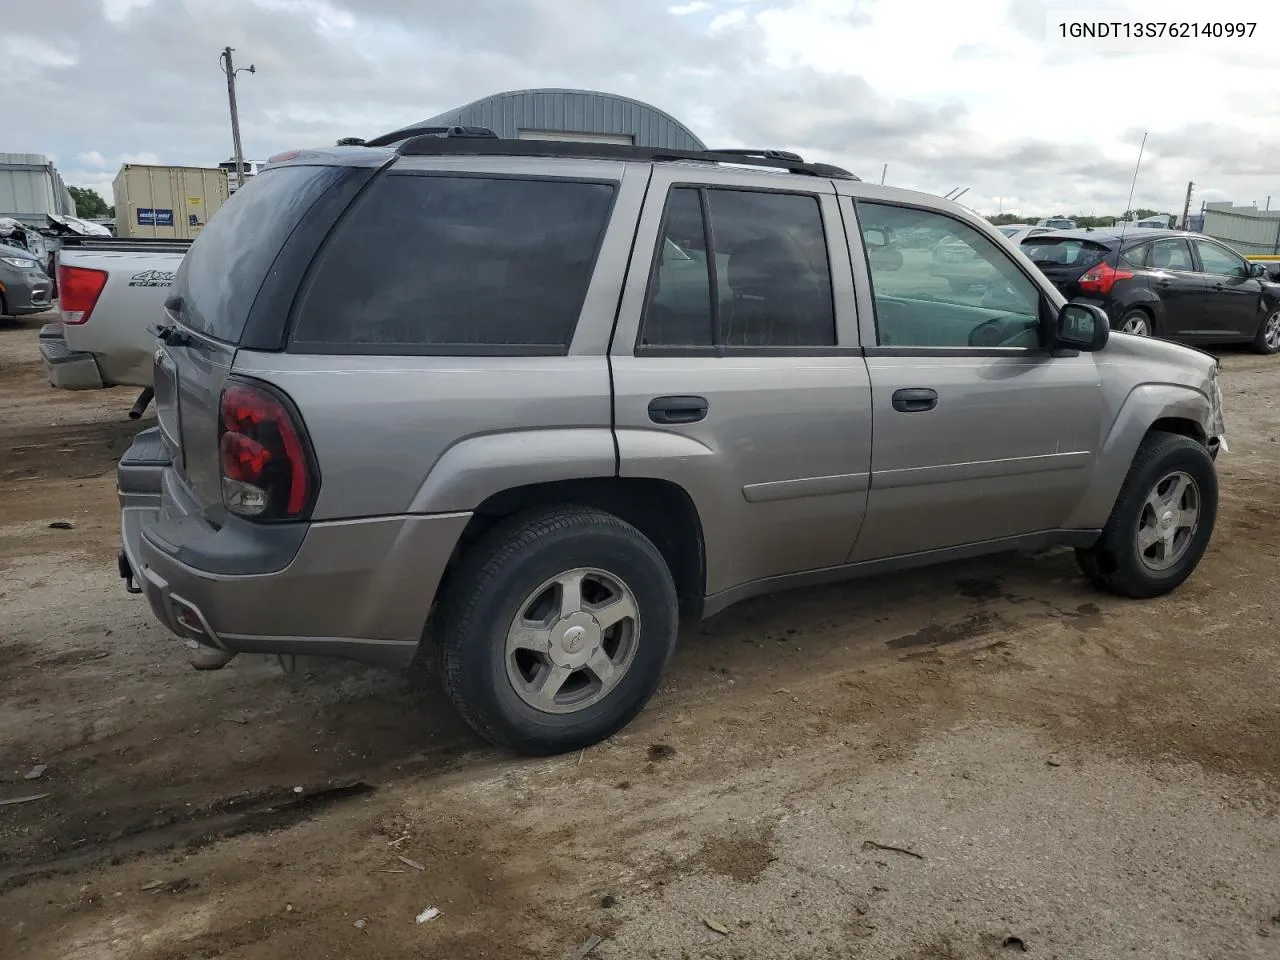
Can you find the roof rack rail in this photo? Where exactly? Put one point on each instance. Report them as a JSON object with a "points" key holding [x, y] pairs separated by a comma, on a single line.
{"points": [[395, 136], [449, 143]]}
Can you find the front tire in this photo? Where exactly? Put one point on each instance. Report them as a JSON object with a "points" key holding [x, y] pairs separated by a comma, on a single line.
{"points": [[555, 628], [1161, 523], [1268, 338]]}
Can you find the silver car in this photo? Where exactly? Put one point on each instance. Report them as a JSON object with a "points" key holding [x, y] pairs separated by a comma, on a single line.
{"points": [[24, 286], [522, 406]]}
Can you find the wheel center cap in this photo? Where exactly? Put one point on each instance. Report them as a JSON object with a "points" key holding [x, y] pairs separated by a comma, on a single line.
{"points": [[574, 640], [1167, 520]]}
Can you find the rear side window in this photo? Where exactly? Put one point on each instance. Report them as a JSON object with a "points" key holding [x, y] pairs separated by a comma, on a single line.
{"points": [[222, 272], [458, 265], [753, 272]]}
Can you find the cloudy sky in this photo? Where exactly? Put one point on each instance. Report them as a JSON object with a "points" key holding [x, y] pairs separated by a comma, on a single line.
{"points": [[980, 93]]}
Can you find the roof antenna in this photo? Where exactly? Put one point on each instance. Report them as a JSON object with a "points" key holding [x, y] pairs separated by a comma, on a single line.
{"points": [[1128, 212]]}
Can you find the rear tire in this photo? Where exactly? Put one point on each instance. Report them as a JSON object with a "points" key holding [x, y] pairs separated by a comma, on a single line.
{"points": [[1144, 550], [1268, 338], [1138, 323], [507, 637]]}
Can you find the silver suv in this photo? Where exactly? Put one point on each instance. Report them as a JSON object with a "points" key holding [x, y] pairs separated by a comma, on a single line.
{"points": [[527, 404]]}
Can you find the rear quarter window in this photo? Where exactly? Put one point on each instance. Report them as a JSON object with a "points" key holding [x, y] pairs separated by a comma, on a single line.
{"points": [[223, 270], [430, 264]]}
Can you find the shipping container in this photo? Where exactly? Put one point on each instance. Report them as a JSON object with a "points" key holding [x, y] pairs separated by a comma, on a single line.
{"points": [[170, 203], [30, 189]]}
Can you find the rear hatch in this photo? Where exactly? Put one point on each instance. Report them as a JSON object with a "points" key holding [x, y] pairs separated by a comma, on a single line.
{"points": [[237, 270], [1064, 260]]}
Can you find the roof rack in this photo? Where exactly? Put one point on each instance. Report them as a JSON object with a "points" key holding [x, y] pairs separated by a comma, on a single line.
{"points": [[482, 142], [456, 131]]}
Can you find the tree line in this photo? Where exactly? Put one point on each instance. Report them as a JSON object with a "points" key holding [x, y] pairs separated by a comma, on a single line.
{"points": [[1141, 213]]}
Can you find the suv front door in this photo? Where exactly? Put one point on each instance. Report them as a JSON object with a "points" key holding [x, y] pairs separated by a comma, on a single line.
{"points": [[981, 434], [737, 373]]}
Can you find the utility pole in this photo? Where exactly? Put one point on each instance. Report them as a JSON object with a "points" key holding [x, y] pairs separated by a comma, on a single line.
{"points": [[230, 70], [882, 174], [1186, 207]]}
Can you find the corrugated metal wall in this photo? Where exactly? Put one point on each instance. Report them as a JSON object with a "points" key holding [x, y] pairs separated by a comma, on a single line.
{"points": [[1247, 229], [30, 187], [573, 111]]}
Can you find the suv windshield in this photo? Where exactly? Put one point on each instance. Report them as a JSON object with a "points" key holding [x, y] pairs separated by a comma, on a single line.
{"points": [[222, 272]]}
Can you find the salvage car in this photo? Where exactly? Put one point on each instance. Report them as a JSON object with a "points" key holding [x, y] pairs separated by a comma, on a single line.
{"points": [[1166, 283], [24, 286], [585, 391]]}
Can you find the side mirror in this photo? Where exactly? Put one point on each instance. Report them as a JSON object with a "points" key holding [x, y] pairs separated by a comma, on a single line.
{"points": [[1081, 326], [1257, 270]]}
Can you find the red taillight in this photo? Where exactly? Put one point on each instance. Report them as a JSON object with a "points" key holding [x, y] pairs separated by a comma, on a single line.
{"points": [[266, 473], [78, 292], [1101, 278]]}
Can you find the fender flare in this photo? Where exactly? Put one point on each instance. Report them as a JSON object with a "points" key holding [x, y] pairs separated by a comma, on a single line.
{"points": [[1146, 405]]}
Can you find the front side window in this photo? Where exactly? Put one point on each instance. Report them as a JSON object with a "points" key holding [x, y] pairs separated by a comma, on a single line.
{"points": [[740, 268], [952, 286], [1219, 260], [454, 264]]}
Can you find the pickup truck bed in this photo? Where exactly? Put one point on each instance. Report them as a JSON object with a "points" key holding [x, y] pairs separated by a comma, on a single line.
{"points": [[113, 344]]}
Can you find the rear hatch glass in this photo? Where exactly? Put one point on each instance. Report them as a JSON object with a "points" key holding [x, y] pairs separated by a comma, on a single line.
{"points": [[1063, 259], [214, 293], [224, 269]]}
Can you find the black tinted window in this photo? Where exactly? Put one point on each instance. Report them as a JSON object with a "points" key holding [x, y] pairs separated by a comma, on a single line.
{"points": [[1137, 256], [224, 269], [678, 311], [457, 263], [1171, 255], [1063, 252], [768, 255]]}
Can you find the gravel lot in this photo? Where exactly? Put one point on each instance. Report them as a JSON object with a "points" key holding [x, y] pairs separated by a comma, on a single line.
{"points": [[1083, 776]]}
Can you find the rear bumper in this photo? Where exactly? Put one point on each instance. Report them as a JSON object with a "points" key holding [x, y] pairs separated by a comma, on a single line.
{"points": [[355, 589], [67, 369]]}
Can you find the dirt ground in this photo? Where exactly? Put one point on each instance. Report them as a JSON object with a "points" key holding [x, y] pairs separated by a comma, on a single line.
{"points": [[957, 763]]}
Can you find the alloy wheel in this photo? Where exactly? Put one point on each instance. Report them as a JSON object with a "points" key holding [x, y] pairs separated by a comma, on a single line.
{"points": [[572, 641]]}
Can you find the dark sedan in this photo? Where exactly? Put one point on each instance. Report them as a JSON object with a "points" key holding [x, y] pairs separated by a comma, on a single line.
{"points": [[1165, 283]]}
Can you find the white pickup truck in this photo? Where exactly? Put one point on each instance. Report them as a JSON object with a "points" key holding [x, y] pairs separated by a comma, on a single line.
{"points": [[111, 292]]}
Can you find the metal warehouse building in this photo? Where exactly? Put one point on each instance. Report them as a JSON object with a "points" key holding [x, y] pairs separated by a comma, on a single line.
{"points": [[1250, 230], [552, 114]]}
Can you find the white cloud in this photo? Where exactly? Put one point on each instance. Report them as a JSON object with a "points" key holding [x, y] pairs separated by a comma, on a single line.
{"points": [[973, 94], [117, 11], [20, 49]]}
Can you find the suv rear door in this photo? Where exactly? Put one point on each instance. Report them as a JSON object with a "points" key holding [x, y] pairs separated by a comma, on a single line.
{"points": [[738, 376]]}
